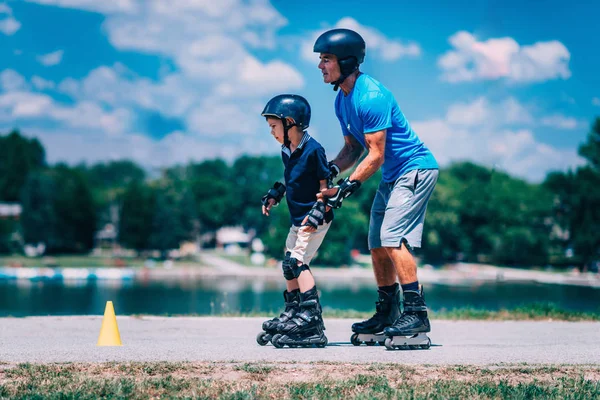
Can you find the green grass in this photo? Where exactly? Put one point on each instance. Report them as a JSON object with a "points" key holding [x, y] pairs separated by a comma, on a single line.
{"points": [[234, 380], [535, 311]]}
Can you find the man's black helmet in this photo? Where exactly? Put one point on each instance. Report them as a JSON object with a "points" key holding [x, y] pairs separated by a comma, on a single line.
{"points": [[343, 43], [289, 105]]}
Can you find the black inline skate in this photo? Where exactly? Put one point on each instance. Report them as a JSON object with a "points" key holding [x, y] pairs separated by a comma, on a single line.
{"points": [[292, 306], [306, 328], [409, 331], [370, 331]]}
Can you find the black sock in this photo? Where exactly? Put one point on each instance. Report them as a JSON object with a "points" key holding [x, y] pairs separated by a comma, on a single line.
{"points": [[414, 286], [389, 289]]}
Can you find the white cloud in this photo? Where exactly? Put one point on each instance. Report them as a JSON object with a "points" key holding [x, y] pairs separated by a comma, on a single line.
{"points": [[485, 132], [11, 80], [377, 44], [104, 7], [16, 106], [216, 87], [8, 25], [42, 84], [51, 59], [497, 58], [562, 122], [596, 101], [482, 112]]}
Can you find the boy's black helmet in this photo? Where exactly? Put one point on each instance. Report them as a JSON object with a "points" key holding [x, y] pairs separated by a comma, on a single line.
{"points": [[289, 105]]}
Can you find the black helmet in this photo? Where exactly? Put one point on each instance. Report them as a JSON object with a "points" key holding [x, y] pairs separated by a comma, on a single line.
{"points": [[289, 105], [347, 45], [344, 43]]}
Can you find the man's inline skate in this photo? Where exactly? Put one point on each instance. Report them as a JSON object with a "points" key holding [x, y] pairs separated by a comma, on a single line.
{"points": [[292, 306], [409, 331], [306, 328], [370, 332]]}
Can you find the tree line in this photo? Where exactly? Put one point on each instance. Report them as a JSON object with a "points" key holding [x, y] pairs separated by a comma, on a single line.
{"points": [[476, 214]]}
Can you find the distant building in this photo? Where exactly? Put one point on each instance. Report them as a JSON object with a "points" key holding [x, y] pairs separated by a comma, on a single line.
{"points": [[10, 211], [233, 236]]}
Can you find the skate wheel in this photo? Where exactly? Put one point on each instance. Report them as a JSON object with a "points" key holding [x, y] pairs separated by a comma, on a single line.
{"points": [[262, 338], [275, 340], [370, 343], [322, 344], [388, 344], [426, 345], [354, 339], [413, 346]]}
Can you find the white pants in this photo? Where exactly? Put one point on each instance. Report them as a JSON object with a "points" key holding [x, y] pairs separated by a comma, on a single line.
{"points": [[304, 245]]}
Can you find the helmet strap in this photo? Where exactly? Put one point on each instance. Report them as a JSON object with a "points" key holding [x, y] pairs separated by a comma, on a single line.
{"points": [[347, 67], [286, 128]]}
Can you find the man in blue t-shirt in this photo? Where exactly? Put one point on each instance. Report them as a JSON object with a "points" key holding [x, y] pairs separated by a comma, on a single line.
{"points": [[371, 119], [306, 173]]}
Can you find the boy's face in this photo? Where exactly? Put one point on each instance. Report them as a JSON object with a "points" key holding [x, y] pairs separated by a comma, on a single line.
{"points": [[329, 67], [276, 128]]}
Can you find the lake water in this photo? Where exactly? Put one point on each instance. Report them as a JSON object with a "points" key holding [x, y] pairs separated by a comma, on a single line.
{"points": [[216, 296]]}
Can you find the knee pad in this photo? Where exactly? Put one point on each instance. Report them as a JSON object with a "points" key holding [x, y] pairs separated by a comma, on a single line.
{"points": [[291, 269]]}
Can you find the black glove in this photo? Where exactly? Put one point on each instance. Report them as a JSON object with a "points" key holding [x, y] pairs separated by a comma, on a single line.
{"points": [[276, 193], [345, 188], [315, 215], [334, 171]]}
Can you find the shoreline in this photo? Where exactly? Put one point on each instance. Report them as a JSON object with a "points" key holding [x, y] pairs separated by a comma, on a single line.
{"points": [[455, 274]]}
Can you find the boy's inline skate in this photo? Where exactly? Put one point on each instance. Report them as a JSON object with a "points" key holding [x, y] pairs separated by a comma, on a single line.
{"points": [[292, 306], [306, 328]]}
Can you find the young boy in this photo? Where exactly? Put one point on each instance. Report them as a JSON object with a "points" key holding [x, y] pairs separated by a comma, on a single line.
{"points": [[306, 173]]}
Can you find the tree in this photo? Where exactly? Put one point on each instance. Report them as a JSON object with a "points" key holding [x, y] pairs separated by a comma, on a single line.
{"points": [[38, 218], [590, 149], [18, 157], [136, 216], [211, 185]]}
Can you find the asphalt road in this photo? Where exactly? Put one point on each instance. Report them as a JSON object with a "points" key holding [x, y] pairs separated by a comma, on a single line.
{"points": [[73, 339]]}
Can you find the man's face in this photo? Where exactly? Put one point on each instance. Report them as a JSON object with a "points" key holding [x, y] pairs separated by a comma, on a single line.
{"points": [[329, 67], [276, 128]]}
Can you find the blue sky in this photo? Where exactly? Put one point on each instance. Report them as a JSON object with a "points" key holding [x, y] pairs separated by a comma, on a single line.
{"points": [[512, 84]]}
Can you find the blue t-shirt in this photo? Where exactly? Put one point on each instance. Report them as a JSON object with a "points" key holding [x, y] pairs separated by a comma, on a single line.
{"points": [[371, 107], [304, 169]]}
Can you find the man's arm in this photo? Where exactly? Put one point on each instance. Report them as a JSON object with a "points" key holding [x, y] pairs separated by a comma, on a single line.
{"points": [[349, 154], [375, 143]]}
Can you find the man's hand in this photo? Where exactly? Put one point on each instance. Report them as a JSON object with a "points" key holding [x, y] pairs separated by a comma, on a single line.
{"points": [[334, 171], [336, 195]]}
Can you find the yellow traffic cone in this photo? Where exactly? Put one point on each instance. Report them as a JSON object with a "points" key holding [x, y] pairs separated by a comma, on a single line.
{"points": [[109, 332]]}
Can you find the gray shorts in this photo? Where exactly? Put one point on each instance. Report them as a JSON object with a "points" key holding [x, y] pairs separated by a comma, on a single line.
{"points": [[398, 210]]}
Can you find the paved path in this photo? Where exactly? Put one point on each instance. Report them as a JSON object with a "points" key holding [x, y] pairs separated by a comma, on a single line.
{"points": [[73, 339]]}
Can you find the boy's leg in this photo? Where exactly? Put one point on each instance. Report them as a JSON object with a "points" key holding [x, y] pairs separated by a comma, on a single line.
{"points": [[307, 327], [306, 246], [290, 243]]}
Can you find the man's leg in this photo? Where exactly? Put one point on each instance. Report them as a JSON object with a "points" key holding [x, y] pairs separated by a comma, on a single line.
{"points": [[387, 305], [383, 267], [403, 227], [404, 263]]}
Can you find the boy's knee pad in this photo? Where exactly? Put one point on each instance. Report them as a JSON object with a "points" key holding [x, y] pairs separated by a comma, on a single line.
{"points": [[291, 269]]}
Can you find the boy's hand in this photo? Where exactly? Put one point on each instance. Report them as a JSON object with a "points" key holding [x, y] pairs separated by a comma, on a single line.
{"points": [[315, 217], [267, 208]]}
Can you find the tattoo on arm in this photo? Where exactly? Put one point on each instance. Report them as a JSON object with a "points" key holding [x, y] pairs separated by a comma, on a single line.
{"points": [[349, 154]]}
